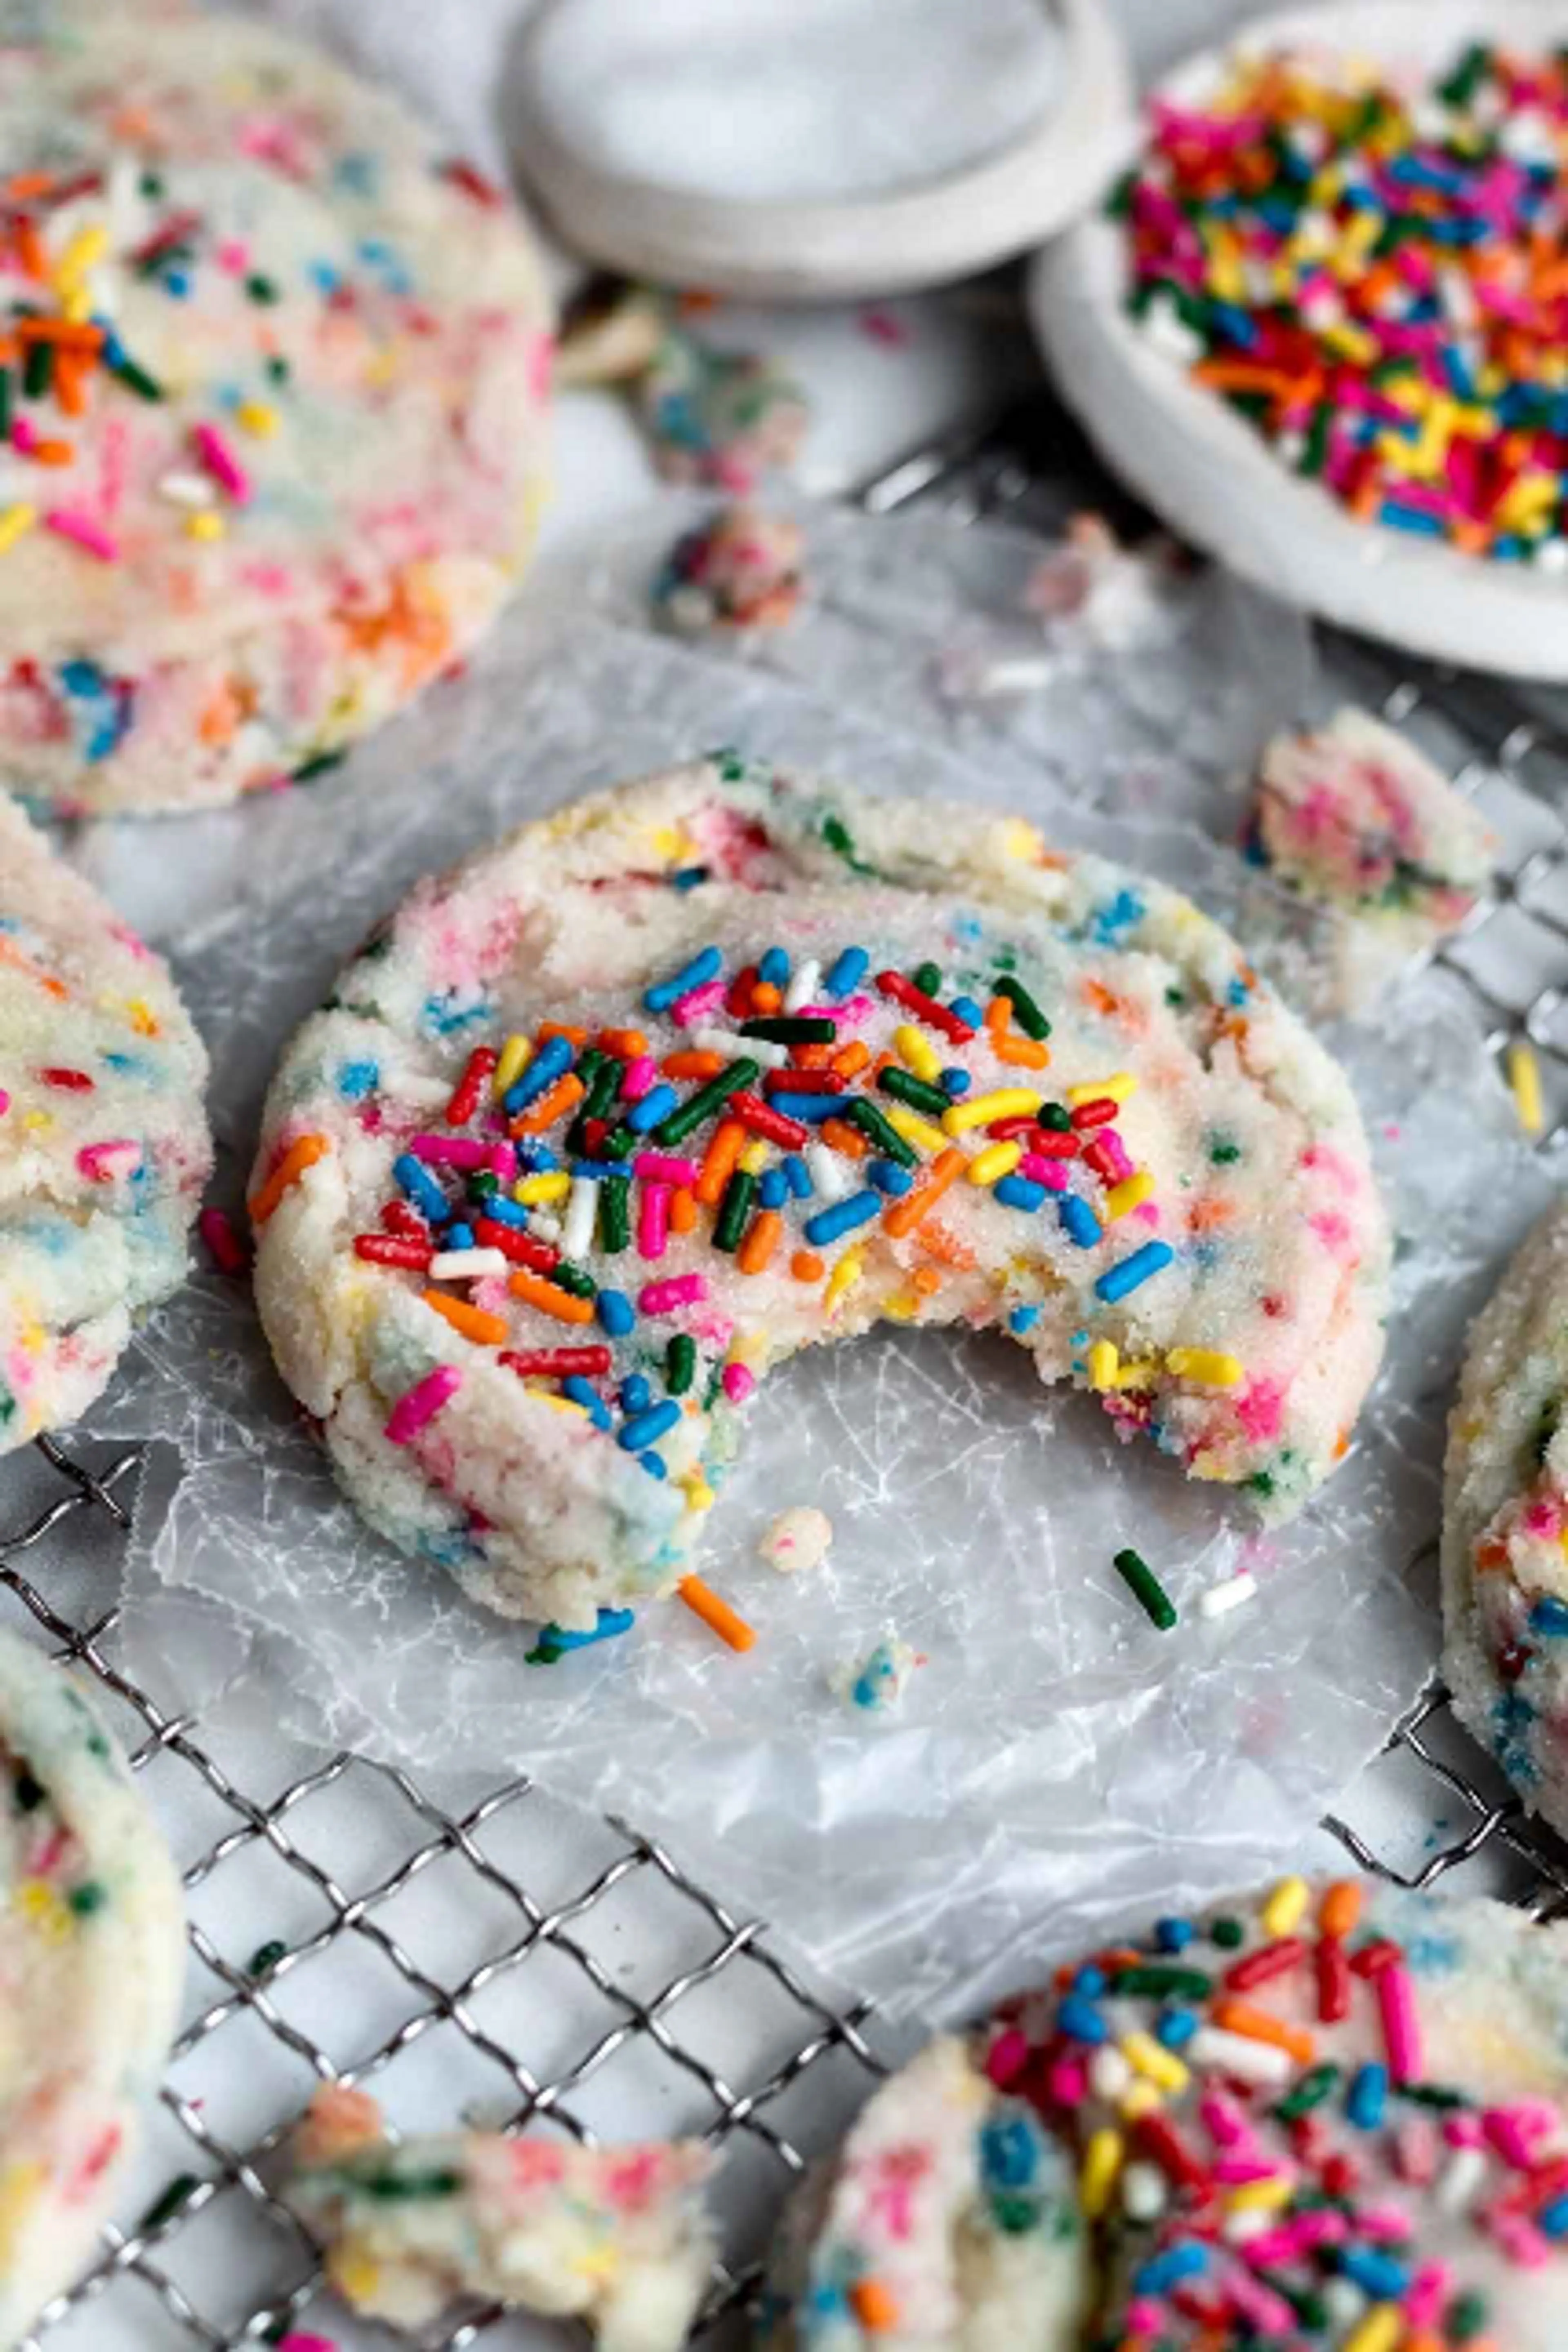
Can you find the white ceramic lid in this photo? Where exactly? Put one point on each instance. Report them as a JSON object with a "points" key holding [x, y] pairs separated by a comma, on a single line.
{"points": [[1216, 480], [979, 205]]}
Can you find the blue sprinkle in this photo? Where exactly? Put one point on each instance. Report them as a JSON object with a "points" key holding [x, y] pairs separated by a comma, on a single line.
{"points": [[537, 1158], [654, 1464], [552, 1061], [1176, 2028], [1553, 2218], [616, 1313], [814, 1108], [596, 1171], [848, 973], [322, 275], [1082, 2020], [1090, 1982], [1411, 519], [176, 282], [1174, 1935], [1079, 1222], [830, 1224], [645, 1429], [1022, 1320], [1377, 2274], [797, 1175], [1118, 1280], [1118, 915], [357, 1079], [505, 1211], [584, 1393], [773, 968], [953, 1082], [1367, 2095], [657, 1103], [458, 1237], [687, 878], [611, 1623], [420, 1186], [1009, 2154], [773, 1190], [664, 993], [967, 1010], [634, 1393], [1169, 2269], [1549, 1615], [1019, 1192], [1236, 992], [888, 1177]]}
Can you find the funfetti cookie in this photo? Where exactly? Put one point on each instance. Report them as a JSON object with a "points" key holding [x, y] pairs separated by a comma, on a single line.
{"points": [[657, 1092], [91, 1961], [1329, 2115], [104, 1146], [273, 391]]}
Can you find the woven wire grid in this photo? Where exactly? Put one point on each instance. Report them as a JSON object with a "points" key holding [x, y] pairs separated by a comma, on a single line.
{"points": [[481, 1950]]}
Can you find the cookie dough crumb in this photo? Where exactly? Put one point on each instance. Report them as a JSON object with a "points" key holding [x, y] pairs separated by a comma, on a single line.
{"points": [[611, 334], [799, 1538], [1094, 593], [724, 418], [740, 570], [875, 1684]]}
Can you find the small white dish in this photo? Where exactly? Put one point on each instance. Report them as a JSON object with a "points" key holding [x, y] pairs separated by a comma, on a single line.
{"points": [[1215, 481], [982, 204]]}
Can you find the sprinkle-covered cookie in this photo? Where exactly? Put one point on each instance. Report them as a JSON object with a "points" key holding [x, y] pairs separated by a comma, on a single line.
{"points": [[698, 1073], [613, 2236], [273, 368], [1332, 2117], [91, 1961], [104, 1146]]}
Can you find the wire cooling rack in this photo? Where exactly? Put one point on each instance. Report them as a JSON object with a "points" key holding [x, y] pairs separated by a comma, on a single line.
{"points": [[484, 1950]]}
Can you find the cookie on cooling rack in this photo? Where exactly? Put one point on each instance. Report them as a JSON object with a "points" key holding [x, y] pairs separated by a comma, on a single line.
{"points": [[613, 2236], [91, 1961], [277, 403], [701, 1072], [1505, 1524], [104, 1146], [1331, 2114]]}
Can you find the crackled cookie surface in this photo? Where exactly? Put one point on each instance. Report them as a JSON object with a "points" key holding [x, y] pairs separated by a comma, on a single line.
{"points": [[91, 1960], [698, 1073], [1505, 1524], [272, 380], [613, 2236], [104, 1141], [1332, 2116]]}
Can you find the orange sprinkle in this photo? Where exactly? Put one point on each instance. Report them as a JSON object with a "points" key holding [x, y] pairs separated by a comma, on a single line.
{"points": [[760, 1244], [905, 1214], [692, 1065], [576, 1038], [812, 1057], [938, 1241], [926, 1279], [875, 2306], [999, 1015], [1204, 1215], [23, 187], [844, 1138], [1339, 1908], [221, 715], [552, 1104], [1258, 2025], [682, 1209], [851, 1059], [561, 1305], [806, 1266], [625, 1044], [66, 334], [31, 251], [69, 383], [718, 1163], [50, 452], [715, 1613], [765, 997], [1095, 993], [490, 1330], [302, 1153], [1026, 1052]]}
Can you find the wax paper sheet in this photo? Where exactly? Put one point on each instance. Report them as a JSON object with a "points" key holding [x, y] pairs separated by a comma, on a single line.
{"points": [[1056, 1759]]}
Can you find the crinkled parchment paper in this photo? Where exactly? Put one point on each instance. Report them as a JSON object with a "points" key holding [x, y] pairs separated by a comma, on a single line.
{"points": [[1055, 1758]]}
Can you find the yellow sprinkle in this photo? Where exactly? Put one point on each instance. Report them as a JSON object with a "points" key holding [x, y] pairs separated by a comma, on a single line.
{"points": [[996, 1161], [354, 2273], [1524, 1077], [515, 1057], [699, 1494], [1131, 1193], [1115, 1090], [554, 1185], [557, 1403], [19, 2186], [1140, 1374], [914, 1128], [1097, 2178], [843, 1276], [1207, 1366], [87, 246], [1380, 2331], [1261, 2196], [14, 522], [1286, 1908], [1140, 2098], [1104, 1358], [1020, 839], [205, 525], [673, 843], [43, 1908], [917, 1053], [36, 1118], [258, 417], [143, 1020], [902, 1307], [1005, 1102], [753, 1157], [1153, 2060]]}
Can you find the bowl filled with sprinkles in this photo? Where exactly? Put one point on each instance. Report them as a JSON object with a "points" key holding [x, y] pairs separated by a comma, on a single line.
{"points": [[1321, 321]]}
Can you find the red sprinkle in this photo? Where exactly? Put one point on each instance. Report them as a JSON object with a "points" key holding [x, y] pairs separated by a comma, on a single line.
{"points": [[466, 1094], [739, 999], [522, 1248], [399, 1218], [555, 1363], [1051, 1143], [389, 1249], [935, 1016], [76, 1082], [229, 1252], [1373, 1958], [1098, 1113], [805, 1082], [1334, 1969], [472, 183], [755, 1114], [1160, 2140], [1099, 1156], [1261, 1966]]}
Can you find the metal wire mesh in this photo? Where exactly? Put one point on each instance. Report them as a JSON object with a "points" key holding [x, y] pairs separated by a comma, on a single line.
{"points": [[507, 1959]]}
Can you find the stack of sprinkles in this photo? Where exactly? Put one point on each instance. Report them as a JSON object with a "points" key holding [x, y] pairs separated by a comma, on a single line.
{"points": [[1373, 271]]}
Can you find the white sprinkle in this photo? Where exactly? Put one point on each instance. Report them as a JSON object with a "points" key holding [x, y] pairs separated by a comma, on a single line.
{"points": [[1109, 2072], [1343, 2300], [190, 490], [577, 1225], [733, 1047], [828, 1174], [1236, 2228], [798, 1538], [1462, 2178], [805, 981], [467, 1266], [1144, 2194], [543, 1226], [424, 1093], [1238, 2055], [1219, 1599]]}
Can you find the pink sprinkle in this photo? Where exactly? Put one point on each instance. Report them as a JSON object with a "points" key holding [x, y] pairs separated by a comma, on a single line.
{"points": [[1416, 2152], [4, 1100], [23, 436], [1463, 2131], [96, 1159], [653, 1220], [697, 1003], [1068, 2084], [1145, 2318], [1110, 1143], [1427, 2295], [663, 1168], [739, 1382], [1511, 2130], [450, 1150], [638, 1076], [1223, 2121], [234, 256], [69, 523], [422, 1403], [298, 2343], [1401, 2025], [854, 1008], [1051, 1173], [1520, 2239], [1385, 2222], [882, 327], [216, 1229], [221, 463], [502, 1162], [1007, 2057], [663, 1298], [1254, 2302], [1236, 2171]]}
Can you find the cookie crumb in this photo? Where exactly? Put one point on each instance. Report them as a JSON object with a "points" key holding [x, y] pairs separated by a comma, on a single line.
{"points": [[799, 1538], [741, 570], [875, 1684]]}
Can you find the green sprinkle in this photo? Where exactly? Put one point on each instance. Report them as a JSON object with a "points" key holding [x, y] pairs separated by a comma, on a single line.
{"points": [[150, 185], [545, 1654], [29, 1793], [927, 978], [482, 1183], [136, 377], [1308, 2306], [863, 1113], [1014, 2216], [278, 370], [707, 1102], [397, 2188], [1466, 2316], [734, 1209], [1056, 1117], [264, 1958], [7, 401], [792, 1029], [317, 765], [1227, 1933], [260, 289], [87, 1898], [1260, 1483], [681, 1364], [173, 2200], [840, 840], [1146, 1590], [1158, 1983], [1223, 1152], [905, 1087], [574, 1279], [1310, 2092], [619, 1143], [1026, 1011], [615, 1215], [1434, 2095], [37, 369]]}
